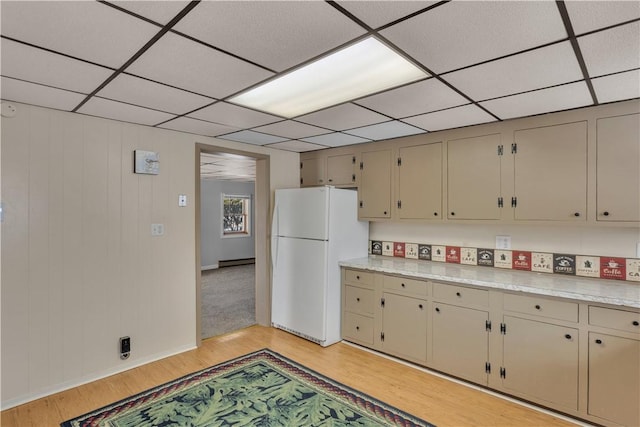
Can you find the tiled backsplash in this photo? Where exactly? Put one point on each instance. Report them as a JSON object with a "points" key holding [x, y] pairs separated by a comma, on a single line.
{"points": [[602, 267]]}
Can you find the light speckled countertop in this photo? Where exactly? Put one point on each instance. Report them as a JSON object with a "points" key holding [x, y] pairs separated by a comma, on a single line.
{"points": [[578, 288]]}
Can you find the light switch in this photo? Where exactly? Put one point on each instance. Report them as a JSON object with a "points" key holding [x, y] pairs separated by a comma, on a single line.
{"points": [[157, 229], [182, 200], [503, 242]]}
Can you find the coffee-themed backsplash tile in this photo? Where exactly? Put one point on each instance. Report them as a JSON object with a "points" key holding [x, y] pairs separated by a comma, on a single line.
{"points": [[603, 267]]}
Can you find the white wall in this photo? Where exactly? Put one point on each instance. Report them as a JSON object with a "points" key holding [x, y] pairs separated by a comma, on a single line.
{"points": [[214, 247], [79, 265]]}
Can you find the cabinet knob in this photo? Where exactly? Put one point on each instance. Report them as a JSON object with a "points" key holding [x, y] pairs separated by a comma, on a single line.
{"points": [[420, 306], [453, 214], [567, 336], [437, 310], [538, 307], [358, 277], [385, 212], [320, 180], [357, 328], [358, 299], [330, 180], [402, 284], [605, 213], [635, 323], [435, 214], [576, 214], [458, 294], [598, 341]]}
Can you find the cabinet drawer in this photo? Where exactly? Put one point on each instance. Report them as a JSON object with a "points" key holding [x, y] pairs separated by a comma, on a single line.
{"points": [[538, 306], [358, 276], [358, 327], [460, 295], [358, 300], [410, 286], [621, 320]]}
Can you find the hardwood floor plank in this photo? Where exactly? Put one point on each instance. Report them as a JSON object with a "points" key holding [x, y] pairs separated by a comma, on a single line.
{"points": [[437, 400]]}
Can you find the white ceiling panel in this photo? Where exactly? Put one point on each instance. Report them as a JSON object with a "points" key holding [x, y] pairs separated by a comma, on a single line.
{"points": [[291, 130], [425, 96], [43, 96], [617, 87], [536, 69], [124, 112], [40, 66], [336, 139], [455, 117], [227, 167], [145, 93], [592, 15], [610, 51], [274, 34], [85, 29], [251, 137], [557, 98], [387, 130], [199, 127], [179, 62], [378, 13], [462, 33], [159, 11], [232, 115], [341, 117], [296, 146]]}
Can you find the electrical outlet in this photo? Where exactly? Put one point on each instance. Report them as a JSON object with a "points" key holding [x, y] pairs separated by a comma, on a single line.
{"points": [[638, 250], [503, 242], [157, 229], [125, 347]]}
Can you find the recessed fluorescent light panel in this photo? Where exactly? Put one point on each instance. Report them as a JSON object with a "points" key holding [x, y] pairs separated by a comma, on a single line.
{"points": [[361, 69]]}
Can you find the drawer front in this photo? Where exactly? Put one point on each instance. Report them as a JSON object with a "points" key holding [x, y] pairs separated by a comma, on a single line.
{"points": [[460, 295], [554, 309], [358, 328], [621, 320], [358, 276], [358, 300], [410, 286]]}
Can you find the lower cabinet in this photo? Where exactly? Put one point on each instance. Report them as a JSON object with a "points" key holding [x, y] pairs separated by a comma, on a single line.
{"points": [[540, 360], [404, 326]]}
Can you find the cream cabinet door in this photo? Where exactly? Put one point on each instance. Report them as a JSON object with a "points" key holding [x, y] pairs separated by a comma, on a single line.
{"points": [[341, 170], [618, 168], [550, 169], [614, 378], [460, 341], [473, 178], [374, 191], [404, 326], [420, 182], [312, 172], [540, 360]]}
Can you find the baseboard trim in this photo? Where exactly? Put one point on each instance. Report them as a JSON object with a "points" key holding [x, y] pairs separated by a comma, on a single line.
{"points": [[209, 267], [233, 262]]}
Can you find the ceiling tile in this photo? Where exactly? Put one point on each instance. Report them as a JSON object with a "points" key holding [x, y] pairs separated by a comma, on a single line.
{"points": [[592, 15], [476, 31], [40, 66], [557, 98], [180, 62], [425, 96], [159, 11], [345, 116], [291, 130], [34, 94], [336, 139], [124, 112], [617, 87], [228, 167], [387, 130], [232, 115], [251, 137], [378, 13], [536, 69], [274, 34], [145, 93], [297, 146], [466, 115], [610, 51], [199, 127], [87, 30]]}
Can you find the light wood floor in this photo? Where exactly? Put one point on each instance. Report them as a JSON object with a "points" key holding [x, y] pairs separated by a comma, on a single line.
{"points": [[434, 399]]}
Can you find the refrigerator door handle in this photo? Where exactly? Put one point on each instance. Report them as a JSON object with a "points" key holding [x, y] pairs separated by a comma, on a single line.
{"points": [[274, 238]]}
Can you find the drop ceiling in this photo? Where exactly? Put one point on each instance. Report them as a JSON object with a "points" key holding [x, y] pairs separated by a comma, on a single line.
{"points": [[176, 64]]}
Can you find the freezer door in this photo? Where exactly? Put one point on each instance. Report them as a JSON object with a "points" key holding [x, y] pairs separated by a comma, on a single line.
{"points": [[301, 212], [299, 287]]}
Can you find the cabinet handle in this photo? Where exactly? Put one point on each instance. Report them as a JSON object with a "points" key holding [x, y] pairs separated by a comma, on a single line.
{"points": [[358, 299], [538, 307], [437, 310], [598, 341], [576, 214], [420, 306], [567, 336], [458, 294], [635, 323], [605, 213]]}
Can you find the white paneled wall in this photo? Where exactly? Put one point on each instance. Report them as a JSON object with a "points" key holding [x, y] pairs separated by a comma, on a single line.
{"points": [[79, 265]]}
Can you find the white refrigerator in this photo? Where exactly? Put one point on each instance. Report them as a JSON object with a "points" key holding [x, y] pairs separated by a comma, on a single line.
{"points": [[313, 229]]}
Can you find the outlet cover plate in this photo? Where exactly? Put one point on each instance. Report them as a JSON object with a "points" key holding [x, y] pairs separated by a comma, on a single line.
{"points": [[503, 242]]}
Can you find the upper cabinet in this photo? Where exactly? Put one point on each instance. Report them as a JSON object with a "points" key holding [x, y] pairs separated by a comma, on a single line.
{"points": [[312, 171], [419, 194], [374, 192], [618, 168], [474, 178], [550, 173], [341, 170]]}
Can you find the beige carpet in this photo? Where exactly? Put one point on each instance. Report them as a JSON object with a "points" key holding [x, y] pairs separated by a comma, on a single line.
{"points": [[228, 299]]}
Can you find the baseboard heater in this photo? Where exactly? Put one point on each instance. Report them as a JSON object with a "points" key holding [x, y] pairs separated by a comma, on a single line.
{"points": [[232, 262], [300, 334]]}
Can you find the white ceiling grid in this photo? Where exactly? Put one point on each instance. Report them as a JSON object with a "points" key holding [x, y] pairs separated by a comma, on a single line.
{"points": [[175, 64]]}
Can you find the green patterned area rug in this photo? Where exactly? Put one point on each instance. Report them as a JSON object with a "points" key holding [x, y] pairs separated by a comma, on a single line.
{"points": [[259, 389]]}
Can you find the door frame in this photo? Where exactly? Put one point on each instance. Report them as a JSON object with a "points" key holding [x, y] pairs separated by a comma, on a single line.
{"points": [[261, 223]]}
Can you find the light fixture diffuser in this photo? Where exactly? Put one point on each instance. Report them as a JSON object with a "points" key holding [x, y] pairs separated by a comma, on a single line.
{"points": [[358, 70]]}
